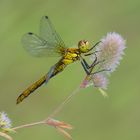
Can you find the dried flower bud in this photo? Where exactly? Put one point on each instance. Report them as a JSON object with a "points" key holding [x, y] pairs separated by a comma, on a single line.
{"points": [[60, 126], [57, 123]]}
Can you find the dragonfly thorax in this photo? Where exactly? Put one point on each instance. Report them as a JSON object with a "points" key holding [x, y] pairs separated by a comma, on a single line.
{"points": [[83, 46]]}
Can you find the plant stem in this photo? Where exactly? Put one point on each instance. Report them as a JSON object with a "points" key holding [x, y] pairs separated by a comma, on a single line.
{"points": [[53, 114], [5, 136], [29, 125], [60, 107]]}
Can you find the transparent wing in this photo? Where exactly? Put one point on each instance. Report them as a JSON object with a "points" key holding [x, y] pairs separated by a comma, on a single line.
{"points": [[48, 33], [37, 46], [48, 43]]}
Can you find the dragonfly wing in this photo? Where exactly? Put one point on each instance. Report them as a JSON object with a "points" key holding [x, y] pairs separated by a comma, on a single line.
{"points": [[37, 46], [48, 33]]}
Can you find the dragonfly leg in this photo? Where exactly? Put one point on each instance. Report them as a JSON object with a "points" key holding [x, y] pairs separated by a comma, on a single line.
{"points": [[94, 46], [95, 62], [100, 71], [92, 53], [88, 67], [85, 68]]}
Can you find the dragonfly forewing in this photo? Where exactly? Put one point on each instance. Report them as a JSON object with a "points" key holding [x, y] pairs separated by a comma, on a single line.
{"points": [[48, 43], [48, 33]]}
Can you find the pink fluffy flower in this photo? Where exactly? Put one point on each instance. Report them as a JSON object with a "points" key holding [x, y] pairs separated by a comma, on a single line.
{"points": [[109, 53], [100, 80], [110, 50]]}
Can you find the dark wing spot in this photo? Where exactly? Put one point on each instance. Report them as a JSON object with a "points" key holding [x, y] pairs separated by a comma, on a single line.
{"points": [[46, 17], [30, 33]]}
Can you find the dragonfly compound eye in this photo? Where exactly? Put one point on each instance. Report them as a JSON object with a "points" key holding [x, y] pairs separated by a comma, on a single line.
{"points": [[83, 45]]}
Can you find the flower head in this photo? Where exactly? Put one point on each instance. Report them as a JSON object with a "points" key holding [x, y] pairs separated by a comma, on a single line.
{"points": [[5, 122], [100, 80], [109, 53]]}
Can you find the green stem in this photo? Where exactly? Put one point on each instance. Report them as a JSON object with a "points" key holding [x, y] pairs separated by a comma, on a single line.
{"points": [[29, 125]]}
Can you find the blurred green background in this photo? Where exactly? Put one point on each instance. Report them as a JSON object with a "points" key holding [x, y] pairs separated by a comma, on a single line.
{"points": [[93, 116]]}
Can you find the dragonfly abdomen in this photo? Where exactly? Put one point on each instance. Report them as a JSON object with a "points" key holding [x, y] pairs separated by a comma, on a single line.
{"points": [[31, 89]]}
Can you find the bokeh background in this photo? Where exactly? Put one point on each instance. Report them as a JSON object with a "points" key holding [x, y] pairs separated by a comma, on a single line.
{"points": [[93, 116]]}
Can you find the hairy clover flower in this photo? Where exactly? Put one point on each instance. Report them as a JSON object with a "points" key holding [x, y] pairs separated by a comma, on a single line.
{"points": [[5, 122], [109, 53]]}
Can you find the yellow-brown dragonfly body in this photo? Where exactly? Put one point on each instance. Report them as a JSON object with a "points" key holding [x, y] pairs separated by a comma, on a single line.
{"points": [[49, 43]]}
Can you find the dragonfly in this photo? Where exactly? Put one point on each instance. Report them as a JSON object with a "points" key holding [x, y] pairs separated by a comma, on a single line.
{"points": [[49, 43]]}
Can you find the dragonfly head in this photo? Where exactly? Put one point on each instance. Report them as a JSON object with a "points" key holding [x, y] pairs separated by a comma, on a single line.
{"points": [[83, 46]]}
